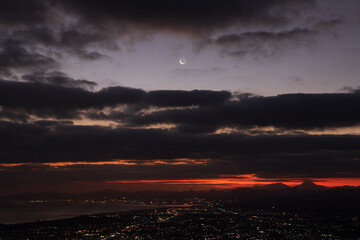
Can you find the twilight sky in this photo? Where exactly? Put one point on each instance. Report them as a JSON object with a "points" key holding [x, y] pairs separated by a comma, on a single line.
{"points": [[93, 96]]}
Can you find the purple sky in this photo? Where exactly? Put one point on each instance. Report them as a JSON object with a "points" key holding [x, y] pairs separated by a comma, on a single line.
{"points": [[324, 59], [92, 93]]}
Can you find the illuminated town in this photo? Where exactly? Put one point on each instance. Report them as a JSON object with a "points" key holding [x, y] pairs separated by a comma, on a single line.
{"points": [[206, 220]]}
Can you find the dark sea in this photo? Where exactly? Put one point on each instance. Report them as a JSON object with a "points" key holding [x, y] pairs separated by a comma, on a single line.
{"points": [[22, 212]]}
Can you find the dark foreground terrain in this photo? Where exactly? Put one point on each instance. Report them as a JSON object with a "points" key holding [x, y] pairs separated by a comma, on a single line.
{"points": [[209, 221]]}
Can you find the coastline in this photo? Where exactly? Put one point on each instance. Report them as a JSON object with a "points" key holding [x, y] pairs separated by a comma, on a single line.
{"points": [[34, 213]]}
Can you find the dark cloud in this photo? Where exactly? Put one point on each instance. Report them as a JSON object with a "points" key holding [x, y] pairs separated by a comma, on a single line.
{"points": [[21, 46], [67, 37], [48, 100], [185, 15], [50, 123], [55, 94], [291, 111], [14, 115], [264, 43], [260, 43], [58, 78], [15, 56], [263, 36], [328, 25], [17, 12], [89, 55], [76, 39], [267, 156], [351, 89], [64, 142], [178, 98], [39, 45], [175, 16]]}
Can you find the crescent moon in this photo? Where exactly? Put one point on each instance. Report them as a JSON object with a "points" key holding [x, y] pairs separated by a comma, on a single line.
{"points": [[182, 61]]}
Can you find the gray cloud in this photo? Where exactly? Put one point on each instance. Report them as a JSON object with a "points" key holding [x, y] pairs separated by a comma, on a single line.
{"points": [[264, 44], [13, 55], [58, 78]]}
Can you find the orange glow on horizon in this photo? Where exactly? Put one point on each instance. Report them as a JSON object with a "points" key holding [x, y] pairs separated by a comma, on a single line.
{"points": [[337, 182], [177, 161], [11, 164], [221, 182], [224, 181], [246, 180]]}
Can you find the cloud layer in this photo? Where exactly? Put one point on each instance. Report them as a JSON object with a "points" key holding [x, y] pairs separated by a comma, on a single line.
{"points": [[57, 95], [49, 116]]}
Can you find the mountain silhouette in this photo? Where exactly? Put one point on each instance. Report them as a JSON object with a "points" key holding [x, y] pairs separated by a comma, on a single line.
{"points": [[273, 186], [310, 185]]}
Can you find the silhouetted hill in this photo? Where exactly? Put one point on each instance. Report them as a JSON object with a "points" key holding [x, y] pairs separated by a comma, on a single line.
{"points": [[309, 185], [273, 186], [306, 196]]}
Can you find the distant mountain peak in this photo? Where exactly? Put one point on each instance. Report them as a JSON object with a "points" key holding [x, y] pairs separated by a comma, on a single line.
{"points": [[309, 185]]}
